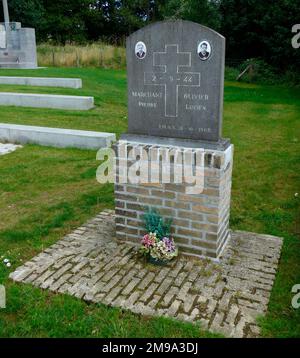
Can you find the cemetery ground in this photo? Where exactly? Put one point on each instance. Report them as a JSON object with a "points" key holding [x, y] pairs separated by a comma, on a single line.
{"points": [[47, 192]]}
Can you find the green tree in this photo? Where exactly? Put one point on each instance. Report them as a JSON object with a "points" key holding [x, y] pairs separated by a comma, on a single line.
{"points": [[100, 19], [30, 13], [65, 20], [204, 12], [115, 19], [256, 28]]}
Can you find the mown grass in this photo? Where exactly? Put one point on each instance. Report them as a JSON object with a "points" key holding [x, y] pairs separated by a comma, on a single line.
{"points": [[107, 86], [41, 314], [46, 192]]}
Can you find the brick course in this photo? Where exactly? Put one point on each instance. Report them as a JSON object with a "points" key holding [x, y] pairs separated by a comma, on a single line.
{"points": [[200, 221]]}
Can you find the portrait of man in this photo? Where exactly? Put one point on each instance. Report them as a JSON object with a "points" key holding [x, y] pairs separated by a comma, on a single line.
{"points": [[140, 50], [204, 50]]}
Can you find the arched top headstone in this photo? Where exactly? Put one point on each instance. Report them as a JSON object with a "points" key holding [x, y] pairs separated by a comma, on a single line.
{"points": [[175, 73]]}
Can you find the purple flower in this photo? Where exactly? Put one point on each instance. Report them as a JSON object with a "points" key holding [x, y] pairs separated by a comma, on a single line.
{"points": [[169, 243]]}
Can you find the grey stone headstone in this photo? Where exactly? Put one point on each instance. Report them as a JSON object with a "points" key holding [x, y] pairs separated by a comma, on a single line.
{"points": [[175, 75], [17, 44]]}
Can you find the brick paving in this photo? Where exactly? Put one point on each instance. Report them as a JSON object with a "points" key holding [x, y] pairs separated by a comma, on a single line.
{"points": [[224, 297]]}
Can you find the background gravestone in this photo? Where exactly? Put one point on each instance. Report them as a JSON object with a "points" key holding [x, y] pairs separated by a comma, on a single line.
{"points": [[175, 81], [17, 44]]}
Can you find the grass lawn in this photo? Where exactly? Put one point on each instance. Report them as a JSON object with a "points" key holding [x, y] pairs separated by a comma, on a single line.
{"points": [[47, 192], [107, 86]]}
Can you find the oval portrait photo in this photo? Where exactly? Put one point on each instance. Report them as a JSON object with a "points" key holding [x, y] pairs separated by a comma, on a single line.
{"points": [[204, 50], [140, 50]]}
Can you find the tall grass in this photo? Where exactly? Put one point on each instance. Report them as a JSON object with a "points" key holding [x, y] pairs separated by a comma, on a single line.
{"points": [[91, 55]]}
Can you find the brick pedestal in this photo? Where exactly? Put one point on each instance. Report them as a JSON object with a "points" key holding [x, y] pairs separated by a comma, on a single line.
{"points": [[200, 221]]}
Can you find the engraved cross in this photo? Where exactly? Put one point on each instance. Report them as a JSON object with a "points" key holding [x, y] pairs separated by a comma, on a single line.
{"points": [[169, 64]]}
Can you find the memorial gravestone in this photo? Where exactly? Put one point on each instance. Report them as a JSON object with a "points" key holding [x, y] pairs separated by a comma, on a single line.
{"points": [[172, 88], [175, 102], [17, 44]]}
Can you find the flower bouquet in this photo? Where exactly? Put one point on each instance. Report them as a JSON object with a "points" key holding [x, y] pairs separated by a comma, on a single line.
{"points": [[157, 245]]}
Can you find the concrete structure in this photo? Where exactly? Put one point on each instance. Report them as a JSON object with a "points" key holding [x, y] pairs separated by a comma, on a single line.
{"points": [[42, 81], [17, 44], [46, 101], [55, 137], [175, 107]]}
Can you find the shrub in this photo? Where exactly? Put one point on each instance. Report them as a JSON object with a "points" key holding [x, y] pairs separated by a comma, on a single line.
{"points": [[156, 224]]}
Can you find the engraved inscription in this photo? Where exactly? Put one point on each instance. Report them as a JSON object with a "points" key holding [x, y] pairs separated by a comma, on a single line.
{"points": [[176, 90], [170, 75]]}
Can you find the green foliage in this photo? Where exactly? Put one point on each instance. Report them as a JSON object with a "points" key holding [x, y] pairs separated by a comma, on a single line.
{"points": [[65, 20], [262, 72], [255, 28], [31, 13], [204, 12], [248, 34], [231, 73], [156, 224]]}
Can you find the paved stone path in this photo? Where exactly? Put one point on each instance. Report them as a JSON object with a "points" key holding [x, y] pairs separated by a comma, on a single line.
{"points": [[8, 148], [224, 297]]}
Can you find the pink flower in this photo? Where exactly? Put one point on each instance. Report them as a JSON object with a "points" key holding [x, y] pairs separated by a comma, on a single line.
{"points": [[148, 240]]}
